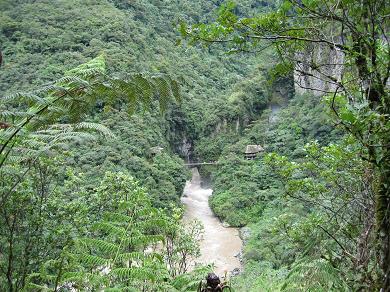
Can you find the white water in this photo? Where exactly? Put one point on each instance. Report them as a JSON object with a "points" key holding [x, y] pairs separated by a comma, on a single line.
{"points": [[220, 245]]}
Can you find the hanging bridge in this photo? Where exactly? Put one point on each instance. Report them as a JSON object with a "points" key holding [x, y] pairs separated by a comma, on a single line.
{"points": [[251, 153], [201, 163]]}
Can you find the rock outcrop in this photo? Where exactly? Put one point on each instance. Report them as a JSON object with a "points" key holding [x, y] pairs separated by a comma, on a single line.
{"points": [[318, 69]]}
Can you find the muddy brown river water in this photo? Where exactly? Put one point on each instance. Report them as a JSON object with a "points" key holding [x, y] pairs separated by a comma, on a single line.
{"points": [[220, 245]]}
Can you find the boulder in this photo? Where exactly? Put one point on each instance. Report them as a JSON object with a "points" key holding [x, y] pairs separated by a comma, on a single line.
{"points": [[235, 272], [245, 233]]}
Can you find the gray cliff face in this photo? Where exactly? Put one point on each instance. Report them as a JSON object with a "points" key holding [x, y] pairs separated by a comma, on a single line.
{"points": [[234, 125], [186, 149], [318, 68], [238, 125], [220, 127]]}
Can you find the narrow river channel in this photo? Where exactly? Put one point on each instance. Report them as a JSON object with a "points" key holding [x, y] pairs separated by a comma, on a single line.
{"points": [[220, 245]]}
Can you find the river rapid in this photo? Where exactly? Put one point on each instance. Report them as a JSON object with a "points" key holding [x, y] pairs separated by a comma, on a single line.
{"points": [[220, 245]]}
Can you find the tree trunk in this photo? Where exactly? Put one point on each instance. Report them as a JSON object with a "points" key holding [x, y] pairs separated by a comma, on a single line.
{"points": [[383, 221]]}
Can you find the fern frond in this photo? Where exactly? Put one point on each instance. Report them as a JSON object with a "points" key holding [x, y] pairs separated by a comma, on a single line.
{"points": [[163, 88], [36, 287], [102, 245], [5, 114], [71, 81], [99, 128], [144, 240], [73, 276], [133, 256], [134, 273], [51, 90], [117, 217], [110, 228], [316, 275], [96, 66], [93, 260]]}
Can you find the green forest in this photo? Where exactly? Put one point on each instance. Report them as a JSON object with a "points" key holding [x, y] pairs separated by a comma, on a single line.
{"points": [[135, 135]]}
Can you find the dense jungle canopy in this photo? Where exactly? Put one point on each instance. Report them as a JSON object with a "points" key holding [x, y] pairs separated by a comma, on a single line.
{"points": [[104, 102]]}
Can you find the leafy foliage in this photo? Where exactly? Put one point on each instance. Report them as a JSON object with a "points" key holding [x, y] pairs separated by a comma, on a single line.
{"points": [[41, 124], [122, 244], [115, 255], [182, 245]]}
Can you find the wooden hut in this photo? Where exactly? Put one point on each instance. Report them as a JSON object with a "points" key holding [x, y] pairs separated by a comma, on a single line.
{"points": [[252, 151], [155, 150]]}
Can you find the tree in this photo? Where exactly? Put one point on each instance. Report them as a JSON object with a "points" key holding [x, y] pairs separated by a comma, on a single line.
{"points": [[181, 243], [333, 188], [355, 34], [119, 252]]}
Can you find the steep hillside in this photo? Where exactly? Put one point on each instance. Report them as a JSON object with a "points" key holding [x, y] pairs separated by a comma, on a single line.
{"points": [[40, 40]]}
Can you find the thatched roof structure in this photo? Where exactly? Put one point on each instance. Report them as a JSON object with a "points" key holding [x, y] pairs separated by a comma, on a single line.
{"points": [[156, 150], [253, 149]]}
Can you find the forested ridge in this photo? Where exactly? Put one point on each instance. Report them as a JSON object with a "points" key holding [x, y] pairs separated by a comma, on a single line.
{"points": [[103, 102]]}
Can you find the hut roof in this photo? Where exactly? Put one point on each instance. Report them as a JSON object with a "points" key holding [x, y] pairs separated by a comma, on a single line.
{"points": [[252, 149], [156, 149]]}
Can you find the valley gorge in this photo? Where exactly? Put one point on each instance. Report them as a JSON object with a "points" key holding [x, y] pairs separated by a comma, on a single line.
{"points": [[147, 145]]}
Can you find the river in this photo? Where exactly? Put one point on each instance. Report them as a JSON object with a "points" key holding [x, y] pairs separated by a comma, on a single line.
{"points": [[220, 245]]}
